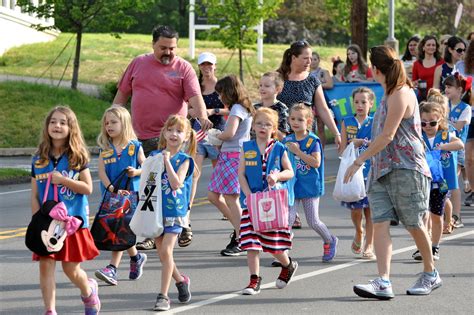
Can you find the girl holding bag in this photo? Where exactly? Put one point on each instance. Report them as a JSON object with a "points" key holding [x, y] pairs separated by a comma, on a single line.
{"points": [[357, 129], [437, 137], [62, 155], [176, 181], [307, 153], [120, 150], [264, 163]]}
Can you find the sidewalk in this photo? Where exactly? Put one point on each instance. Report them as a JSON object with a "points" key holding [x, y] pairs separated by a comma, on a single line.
{"points": [[89, 89]]}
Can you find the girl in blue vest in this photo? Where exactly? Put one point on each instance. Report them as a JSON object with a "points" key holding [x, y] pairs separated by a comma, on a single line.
{"points": [[437, 137], [458, 92], [120, 150], [62, 154], [264, 163], [176, 184], [357, 129], [307, 158]]}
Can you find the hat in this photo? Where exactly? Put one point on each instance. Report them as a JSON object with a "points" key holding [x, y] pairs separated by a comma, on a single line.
{"points": [[207, 57]]}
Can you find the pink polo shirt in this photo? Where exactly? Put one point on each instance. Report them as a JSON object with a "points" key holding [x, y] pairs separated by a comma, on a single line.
{"points": [[158, 91]]}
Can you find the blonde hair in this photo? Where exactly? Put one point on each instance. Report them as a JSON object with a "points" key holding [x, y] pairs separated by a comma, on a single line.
{"points": [[308, 114], [76, 150], [271, 115], [103, 140], [180, 122], [435, 95], [437, 108]]}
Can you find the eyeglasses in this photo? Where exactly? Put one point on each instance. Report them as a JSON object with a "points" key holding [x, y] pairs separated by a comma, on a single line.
{"points": [[460, 50], [431, 123], [264, 126]]}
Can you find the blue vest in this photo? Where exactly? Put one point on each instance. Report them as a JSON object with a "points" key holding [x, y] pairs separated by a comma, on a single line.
{"points": [[364, 131], [448, 159], [114, 165], [309, 181], [77, 204], [454, 113], [253, 169], [176, 202]]}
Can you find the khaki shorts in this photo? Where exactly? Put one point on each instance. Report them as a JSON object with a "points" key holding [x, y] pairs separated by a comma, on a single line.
{"points": [[400, 195]]}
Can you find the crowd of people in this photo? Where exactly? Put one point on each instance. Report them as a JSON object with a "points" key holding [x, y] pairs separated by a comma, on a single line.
{"points": [[413, 149]]}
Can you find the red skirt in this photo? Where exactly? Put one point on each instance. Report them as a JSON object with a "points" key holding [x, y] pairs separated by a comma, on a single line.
{"points": [[78, 247]]}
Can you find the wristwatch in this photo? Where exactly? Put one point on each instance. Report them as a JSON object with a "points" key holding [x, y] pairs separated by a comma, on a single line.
{"points": [[216, 110]]}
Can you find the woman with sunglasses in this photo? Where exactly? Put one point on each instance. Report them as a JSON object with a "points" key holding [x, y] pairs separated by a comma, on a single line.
{"points": [[454, 51], [398, 186]]}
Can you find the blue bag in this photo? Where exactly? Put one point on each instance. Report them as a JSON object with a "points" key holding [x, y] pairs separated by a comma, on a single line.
{"points": [[434, 162]]}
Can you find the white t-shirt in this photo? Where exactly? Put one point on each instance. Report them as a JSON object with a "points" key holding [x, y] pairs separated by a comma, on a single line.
{"points": [[243, 131]]}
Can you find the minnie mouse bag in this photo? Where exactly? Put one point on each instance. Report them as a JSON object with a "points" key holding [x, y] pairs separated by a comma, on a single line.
{"points": [[50, 225]]}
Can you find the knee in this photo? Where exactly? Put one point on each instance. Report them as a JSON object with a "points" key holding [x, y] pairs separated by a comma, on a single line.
{"points": [[212, 196]]}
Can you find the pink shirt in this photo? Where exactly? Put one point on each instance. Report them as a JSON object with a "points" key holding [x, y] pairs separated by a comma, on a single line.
{"points": [[158, 91]]}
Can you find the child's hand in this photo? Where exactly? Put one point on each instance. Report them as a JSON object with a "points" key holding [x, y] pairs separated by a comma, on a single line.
{"points": [[123, 192], [56, 178], [294, 147], [131, 171], [357, 142], [272, 179], [166, 155]]}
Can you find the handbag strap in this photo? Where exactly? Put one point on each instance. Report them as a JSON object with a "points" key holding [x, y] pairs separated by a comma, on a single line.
{"points": [[46, 191], [116, 182]]}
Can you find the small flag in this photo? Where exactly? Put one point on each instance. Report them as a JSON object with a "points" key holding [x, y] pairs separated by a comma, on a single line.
{"points": [[200, 134]]}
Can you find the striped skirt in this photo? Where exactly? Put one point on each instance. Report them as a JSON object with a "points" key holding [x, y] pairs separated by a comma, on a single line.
{"points": [[269, 242]]}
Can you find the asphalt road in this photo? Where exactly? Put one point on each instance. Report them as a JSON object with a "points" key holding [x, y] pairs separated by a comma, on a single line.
{"points": [[317, 288]]}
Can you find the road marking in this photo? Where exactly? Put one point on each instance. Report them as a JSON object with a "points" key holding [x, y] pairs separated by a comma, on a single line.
{"points": [[302, 277]]}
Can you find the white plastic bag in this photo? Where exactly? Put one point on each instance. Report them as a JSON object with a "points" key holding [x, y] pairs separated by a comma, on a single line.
{"points": [[147, 221], [355, 189]]}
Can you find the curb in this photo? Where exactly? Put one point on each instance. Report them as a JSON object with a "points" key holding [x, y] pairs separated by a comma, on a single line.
{"points": [[30, 151]]}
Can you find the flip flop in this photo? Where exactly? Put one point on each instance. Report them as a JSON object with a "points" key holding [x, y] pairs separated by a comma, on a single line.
{"points": [[369, 255], [356, 247]]}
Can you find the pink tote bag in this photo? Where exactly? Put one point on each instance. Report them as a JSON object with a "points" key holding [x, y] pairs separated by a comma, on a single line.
{"points": [[269, 210]]}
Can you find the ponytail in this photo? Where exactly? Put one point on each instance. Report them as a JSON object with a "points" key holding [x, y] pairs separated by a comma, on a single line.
{"points": [[192, 143], [285, 66]]}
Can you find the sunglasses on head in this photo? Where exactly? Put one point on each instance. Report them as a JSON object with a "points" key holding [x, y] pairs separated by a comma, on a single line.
{"points": [[300, 43], [431, 123], [460, 50]]}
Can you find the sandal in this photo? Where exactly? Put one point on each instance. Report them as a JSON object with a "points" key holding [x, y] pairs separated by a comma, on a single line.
{"points": [[448, 228], [369, 255], [356, 247], [467, 187], [146, 244], [185, 238]]}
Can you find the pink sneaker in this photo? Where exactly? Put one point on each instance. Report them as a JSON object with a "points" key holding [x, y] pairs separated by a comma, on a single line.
{"points": [[92, 302]]}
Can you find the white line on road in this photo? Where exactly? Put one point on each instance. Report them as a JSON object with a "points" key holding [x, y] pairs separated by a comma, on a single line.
{"points": [[303, 276]]}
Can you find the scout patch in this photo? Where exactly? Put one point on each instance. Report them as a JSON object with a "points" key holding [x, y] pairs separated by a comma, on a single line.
{"points": [[131, 149], [250, 154], [107, 153]]}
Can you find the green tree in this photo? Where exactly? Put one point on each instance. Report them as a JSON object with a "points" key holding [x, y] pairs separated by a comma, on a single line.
{"points": [[236, 20], [79, 16]]}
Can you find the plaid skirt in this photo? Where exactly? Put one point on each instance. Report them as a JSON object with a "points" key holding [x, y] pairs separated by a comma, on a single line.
{"points": [[225, 177]]}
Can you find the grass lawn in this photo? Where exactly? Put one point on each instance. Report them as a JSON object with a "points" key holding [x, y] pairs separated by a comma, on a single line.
{"points": [[13, 175], [104, 58], [24, 107]]}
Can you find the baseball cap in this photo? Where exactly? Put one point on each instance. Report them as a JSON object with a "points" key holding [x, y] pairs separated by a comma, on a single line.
{"points": [[207, 57]]}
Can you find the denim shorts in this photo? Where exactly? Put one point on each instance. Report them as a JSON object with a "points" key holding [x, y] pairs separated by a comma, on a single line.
{"points": [[401, 195], [174, 229], [207, 150]]}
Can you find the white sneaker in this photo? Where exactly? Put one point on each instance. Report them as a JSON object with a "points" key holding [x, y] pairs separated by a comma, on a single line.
{"points": [[425, 284], [376, 289]]}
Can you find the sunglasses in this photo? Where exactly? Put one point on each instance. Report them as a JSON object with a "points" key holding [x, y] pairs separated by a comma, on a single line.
{"points": [[460, 50], [431, 123], [300, 43]]}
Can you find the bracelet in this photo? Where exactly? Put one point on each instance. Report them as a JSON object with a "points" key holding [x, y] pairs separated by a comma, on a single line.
{"points": [[108, 187]]}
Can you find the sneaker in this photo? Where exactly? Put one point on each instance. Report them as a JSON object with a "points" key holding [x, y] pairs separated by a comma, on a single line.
{"points": [[107, 274], [425, 284], [469, 201], [184, 293], [376, 289], [254, 286], [146, 244], [286, 274], [276, 263], [457, 222], [233, 248], [162, 303], [435, 251], [297, 224], [92, 302], [136, 267], [50, 312], [330, 250], [417, 256]]}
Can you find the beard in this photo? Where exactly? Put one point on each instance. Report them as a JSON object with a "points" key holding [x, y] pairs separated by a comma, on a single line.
{"points": [[165, 59]]}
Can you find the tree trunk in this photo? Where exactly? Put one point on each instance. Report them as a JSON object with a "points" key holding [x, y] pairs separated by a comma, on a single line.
{"points": [[359, 14], [77, 60], [241, 66]]}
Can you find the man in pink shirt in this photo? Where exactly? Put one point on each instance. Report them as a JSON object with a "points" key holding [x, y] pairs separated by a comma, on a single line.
{"points": [[160, 84]]}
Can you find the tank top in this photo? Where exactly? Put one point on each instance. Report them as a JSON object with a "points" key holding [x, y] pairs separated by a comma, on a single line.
{"points": [[405, 151]]}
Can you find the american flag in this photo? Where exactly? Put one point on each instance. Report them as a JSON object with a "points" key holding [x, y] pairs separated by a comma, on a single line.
{"points": [[200, 134]]}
